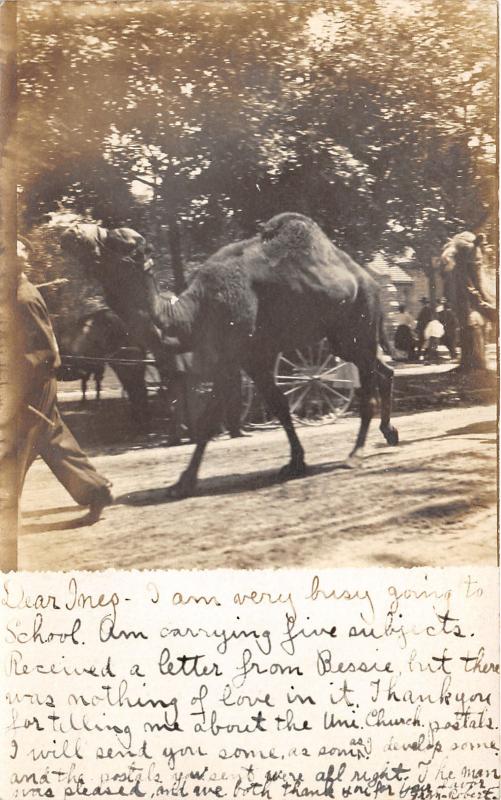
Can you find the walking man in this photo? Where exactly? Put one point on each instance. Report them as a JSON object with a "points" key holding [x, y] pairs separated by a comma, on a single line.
{"points": [[41, 431]]}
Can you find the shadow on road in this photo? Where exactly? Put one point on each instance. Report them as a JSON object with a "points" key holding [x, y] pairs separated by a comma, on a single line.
{"points": [[487, 426], [60, 525], [476, 428], [45, 511], [234, 483]]}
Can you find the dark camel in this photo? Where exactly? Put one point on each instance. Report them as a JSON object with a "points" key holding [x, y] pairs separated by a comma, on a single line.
{"points": [[285, 288], [462, 261]]}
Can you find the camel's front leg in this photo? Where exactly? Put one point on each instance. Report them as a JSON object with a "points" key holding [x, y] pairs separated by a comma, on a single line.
{"points": [[279, 406], [207, 425], [187, 482]]}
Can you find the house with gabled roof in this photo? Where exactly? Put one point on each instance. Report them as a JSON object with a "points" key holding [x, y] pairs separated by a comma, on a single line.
{"points": [[397, 286]]}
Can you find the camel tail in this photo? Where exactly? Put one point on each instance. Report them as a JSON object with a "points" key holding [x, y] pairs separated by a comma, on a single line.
{"points": [[383, 339]]}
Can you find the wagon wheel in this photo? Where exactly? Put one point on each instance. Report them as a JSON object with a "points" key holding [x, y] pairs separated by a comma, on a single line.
{"points": [[319, 386]]}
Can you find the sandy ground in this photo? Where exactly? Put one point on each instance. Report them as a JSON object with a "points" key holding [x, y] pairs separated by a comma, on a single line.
{"points": [[430, 501]]}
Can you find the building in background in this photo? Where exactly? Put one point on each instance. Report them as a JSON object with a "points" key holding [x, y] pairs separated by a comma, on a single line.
{"points": [[397, 287]]}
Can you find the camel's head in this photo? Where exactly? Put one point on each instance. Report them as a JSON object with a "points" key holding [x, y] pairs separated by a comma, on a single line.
{"points": [[85, 243], [94, 246], [119, 258], [464, 252]]}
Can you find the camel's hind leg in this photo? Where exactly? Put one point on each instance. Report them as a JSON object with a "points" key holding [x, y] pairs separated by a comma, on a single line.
{"points": [[279, 406], [384, 375], [368, 404], [371, 374]]}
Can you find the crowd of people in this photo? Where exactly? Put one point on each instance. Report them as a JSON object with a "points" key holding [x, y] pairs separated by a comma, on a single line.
{"points": [[418, 339]]}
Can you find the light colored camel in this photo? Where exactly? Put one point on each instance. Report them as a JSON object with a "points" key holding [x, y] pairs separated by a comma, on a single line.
{"points": [[462, 261]]}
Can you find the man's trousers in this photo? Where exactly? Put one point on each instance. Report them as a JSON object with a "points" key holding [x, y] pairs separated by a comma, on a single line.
{"points": [[57, 446]]}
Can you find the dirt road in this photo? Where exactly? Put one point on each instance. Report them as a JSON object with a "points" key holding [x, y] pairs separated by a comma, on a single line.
{"points": [[430, 501]]}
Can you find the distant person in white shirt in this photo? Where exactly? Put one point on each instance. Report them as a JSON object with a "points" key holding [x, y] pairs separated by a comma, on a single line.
{"points": [[449, 320], [433, 334]]}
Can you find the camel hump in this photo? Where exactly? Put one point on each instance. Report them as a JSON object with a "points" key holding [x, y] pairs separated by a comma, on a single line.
{"points": [[290, 249], [466, 238], [295, 242], [462, 246], [290, 231]]}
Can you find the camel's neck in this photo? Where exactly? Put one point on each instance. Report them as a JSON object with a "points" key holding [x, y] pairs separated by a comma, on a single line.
{"points": [[158, 305], [175, 316]]}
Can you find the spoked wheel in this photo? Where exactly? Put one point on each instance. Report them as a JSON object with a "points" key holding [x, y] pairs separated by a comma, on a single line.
{"points": [[319, 386]]}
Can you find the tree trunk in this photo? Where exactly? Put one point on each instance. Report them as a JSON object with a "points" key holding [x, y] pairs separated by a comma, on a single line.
{"points": [[11, 355], [175, 254], [472, 343], [432, 289], [471, 336]]}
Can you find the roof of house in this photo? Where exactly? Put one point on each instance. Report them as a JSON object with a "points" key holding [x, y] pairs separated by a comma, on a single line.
{"points": [[399, 275], [381, 267]]}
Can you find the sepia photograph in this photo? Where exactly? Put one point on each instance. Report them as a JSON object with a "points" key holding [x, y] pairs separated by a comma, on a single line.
{"points": [[255, 278], [249, 399]]}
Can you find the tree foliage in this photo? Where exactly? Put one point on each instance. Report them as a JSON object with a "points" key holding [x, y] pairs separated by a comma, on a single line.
{"points": [[374, 117]]}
